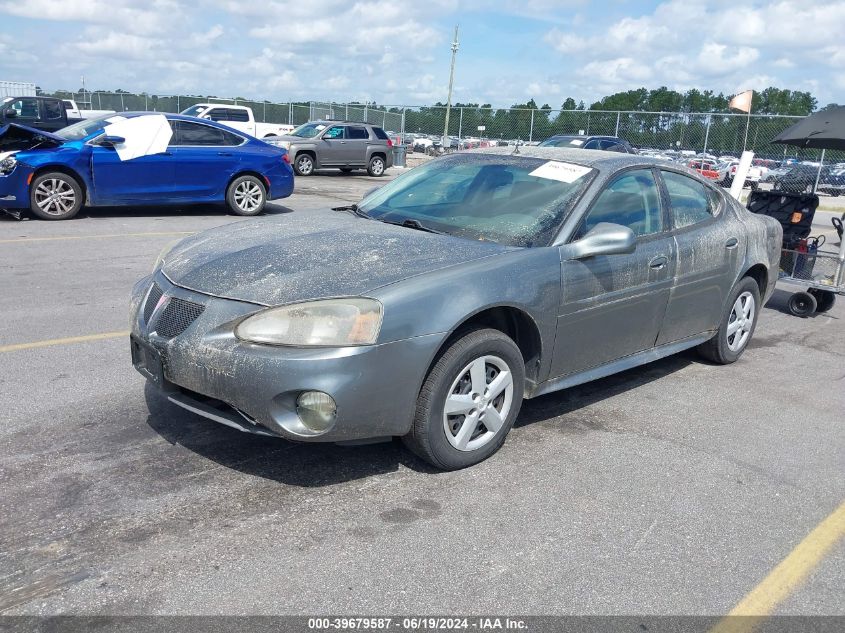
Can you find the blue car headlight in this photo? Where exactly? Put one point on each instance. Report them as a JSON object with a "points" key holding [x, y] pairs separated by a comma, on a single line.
{"points": [[323, 323], [7, 165]]}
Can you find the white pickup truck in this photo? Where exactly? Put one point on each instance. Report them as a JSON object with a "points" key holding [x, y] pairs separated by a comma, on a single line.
{"points": [[75, 112], [237, 117]]}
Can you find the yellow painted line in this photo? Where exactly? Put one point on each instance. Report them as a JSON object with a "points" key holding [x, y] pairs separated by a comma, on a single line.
{"points": [[93, 237], [784, 579], [62, 341]]}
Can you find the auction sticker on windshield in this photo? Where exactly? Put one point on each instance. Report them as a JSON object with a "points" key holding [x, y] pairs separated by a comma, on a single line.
{"points": [[564, 172]]}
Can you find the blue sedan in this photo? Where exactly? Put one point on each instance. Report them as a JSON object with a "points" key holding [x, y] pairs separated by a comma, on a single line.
{"points": [[156, 160]]}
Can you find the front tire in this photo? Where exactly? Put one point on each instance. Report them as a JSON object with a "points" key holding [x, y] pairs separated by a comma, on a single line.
{"points": [[376, 166], [246, 196], [469, 401], [55, 196], [737, 326]]}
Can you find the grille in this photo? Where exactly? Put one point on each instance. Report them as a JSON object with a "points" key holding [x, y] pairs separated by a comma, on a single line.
{"points": [[152, 301], [176, 316]]}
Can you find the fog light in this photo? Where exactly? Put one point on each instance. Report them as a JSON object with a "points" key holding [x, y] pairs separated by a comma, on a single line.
{"points": [[316, 410]]}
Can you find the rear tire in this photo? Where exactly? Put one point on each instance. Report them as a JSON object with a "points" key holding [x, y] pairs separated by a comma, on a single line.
{"points": [[246, 196], [55, 196], [478, 381], [802, 304], [376, 167], [825, 299], [737, 326]]}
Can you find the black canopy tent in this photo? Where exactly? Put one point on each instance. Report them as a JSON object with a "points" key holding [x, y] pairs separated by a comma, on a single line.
{"points": [[822, 130]]}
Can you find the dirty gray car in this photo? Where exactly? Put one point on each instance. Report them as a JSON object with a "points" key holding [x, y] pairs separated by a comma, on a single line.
{"points": [[432, 308]]}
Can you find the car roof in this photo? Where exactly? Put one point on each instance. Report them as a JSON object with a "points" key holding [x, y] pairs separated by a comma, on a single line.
{"points": [[587, 157], [586, 136]]}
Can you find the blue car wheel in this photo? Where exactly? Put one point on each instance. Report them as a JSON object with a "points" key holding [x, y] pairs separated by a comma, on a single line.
{"points": [[55, 196], [246, 196]]}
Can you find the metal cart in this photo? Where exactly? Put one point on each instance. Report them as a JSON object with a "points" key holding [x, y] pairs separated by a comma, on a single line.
{"points": [[821, 272]]}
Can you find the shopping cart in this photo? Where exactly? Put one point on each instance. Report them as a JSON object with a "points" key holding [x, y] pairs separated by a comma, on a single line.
{"points": [[821, 272]]}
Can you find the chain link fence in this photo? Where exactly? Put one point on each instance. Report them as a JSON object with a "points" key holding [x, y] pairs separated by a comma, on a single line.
{"points": [[682, 137]]}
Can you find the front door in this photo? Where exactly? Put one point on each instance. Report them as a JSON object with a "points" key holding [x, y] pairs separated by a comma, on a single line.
{"points": [[148, 179], [334, 148], [613, 305]]}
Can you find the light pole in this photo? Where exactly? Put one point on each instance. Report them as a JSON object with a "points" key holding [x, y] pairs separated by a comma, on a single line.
{"points": [[446, 143]]}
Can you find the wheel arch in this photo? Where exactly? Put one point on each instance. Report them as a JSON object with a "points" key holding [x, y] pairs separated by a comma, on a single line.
{"points": [[512, 321], [248, 172], [64, 169], [311, 152], [759, 273]]}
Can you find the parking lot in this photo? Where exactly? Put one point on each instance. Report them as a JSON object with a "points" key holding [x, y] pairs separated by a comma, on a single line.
{"points": [[674, 488]]}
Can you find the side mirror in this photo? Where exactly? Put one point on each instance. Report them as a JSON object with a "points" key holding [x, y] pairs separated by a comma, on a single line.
{"points": [[10, 113], [603, 239], [112, 140]]}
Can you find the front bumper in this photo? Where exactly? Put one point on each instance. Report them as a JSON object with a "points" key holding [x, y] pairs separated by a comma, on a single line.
{"points": [[14, 190], [254, 388]]}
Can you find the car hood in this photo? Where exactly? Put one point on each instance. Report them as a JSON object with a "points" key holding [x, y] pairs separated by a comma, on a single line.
{"points": [[300, 256], [16, 138]]}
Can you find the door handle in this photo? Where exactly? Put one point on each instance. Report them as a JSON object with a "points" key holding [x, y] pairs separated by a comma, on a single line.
{"points": [[224, 153], [343, 142], [732, 243], [658, 262]]}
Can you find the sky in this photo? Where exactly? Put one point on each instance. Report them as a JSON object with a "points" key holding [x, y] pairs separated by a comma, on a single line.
{"points": [[397, 51]]}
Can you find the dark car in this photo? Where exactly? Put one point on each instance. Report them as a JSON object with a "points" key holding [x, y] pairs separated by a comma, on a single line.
{"points": [[41, 113], [434, 306], [583, 141], [344, 144], [138, 158], [802, 179]]}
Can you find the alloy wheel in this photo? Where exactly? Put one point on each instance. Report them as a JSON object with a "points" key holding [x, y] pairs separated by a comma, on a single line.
{"points": [[741, 321], [248, 196], [305, 165], [377, 167], [478, 403], [55, 196]]}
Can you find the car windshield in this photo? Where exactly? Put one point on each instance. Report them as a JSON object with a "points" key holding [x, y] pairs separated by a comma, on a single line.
{"points": [[309, 130], [511, 200], [563, 141], [194, 110], [86, 127]]}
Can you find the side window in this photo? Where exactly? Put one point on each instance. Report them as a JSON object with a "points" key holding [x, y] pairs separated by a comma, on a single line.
{"points": [[631, 200], [691, 201], [189, 133], [380, 133], [357, 132], [25, 108], [333, 132], [594, 144], [231, 139], [241, 116], [217, 114], [53, 110]]}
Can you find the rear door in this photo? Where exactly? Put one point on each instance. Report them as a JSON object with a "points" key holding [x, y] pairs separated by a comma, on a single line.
{"points": [[613, 305], [205, 159], [357, 140], [710, 243]]}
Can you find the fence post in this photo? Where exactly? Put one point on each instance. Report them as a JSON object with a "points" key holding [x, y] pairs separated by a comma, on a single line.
{"points": [[460, 125], [587, 131], [264, 116], [707, 133], [616, 133], [384, 120], [403, 123], [178, 109], [531, 129], [366, 116], [290, 112], [122, 107], [346, 116], [818, 173], [145, 103]]}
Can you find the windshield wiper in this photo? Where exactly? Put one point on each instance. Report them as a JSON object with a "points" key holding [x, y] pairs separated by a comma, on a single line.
{"points": [[412, 224], [354, 210]]}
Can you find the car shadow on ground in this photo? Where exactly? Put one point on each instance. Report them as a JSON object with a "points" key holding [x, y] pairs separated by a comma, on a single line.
{"points": [[316, 464], [197, 210]]}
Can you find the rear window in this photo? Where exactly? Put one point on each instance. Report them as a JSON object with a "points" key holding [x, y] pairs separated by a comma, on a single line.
{"points": [[380, 133], [357, 132]]}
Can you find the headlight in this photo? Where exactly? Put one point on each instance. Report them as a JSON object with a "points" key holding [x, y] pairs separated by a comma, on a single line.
{"points": [[164, 253], [282, 144], [325, 323], [7, 165]]}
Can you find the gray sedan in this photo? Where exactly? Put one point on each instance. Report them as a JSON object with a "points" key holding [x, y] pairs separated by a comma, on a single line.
{"points": [[432, 308]]}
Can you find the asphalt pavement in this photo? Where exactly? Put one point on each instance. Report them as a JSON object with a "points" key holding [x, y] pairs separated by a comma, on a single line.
{"points": [[674, 488]]}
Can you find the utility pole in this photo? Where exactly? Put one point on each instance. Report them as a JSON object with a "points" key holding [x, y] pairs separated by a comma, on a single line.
{"points": [[446, 143]]}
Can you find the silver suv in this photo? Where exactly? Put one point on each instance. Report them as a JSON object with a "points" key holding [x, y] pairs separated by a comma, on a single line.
{"points": [[342, 144]]}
